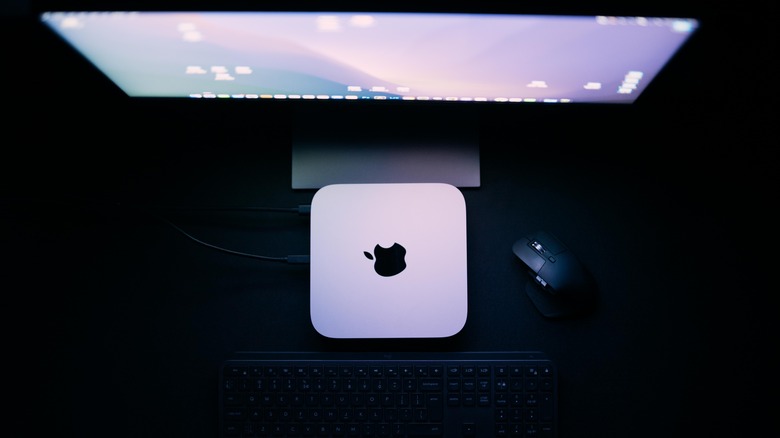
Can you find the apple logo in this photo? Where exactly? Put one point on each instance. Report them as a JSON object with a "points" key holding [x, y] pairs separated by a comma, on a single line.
{"points": [[388, 261]]}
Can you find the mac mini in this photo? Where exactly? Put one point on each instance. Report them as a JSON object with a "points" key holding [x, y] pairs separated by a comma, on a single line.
{"points": [[388, 260]]}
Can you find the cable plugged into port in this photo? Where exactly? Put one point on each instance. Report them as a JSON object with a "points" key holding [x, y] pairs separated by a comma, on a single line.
{"points": [[303, 210], [159, 212], [298, 259]]}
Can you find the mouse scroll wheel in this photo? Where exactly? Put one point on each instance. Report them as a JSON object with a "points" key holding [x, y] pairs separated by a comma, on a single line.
{"points": [[538, 247]]}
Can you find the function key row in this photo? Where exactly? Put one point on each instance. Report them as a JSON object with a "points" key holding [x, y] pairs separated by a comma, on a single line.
{"points": [[455, 370]]}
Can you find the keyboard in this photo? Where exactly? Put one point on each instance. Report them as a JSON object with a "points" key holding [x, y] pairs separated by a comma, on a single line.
{"points": [[409, 394]]}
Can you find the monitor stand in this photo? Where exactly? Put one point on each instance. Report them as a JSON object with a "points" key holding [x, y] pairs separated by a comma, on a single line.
{"points": [[384, 143]]}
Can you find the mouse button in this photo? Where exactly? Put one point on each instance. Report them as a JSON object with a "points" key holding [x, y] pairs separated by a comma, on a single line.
{"points": [[551, 277], [564, 274], [527, 255], [550, 243]]}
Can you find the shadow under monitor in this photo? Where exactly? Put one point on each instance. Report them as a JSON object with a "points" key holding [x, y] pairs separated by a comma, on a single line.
{"points": [[385, 143]]}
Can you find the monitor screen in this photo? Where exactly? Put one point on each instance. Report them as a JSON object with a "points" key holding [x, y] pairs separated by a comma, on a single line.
{"points": [[376, 56]]}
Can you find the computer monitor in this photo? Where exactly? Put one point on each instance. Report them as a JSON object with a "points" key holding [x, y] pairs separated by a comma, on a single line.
{"points": [[347, 71]]}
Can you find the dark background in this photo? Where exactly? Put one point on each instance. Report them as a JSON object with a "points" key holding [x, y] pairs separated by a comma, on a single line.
{"points": [[116, 323]]}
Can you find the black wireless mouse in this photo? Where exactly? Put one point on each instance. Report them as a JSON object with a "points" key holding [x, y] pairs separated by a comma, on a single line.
{"points": [[561, 285]]}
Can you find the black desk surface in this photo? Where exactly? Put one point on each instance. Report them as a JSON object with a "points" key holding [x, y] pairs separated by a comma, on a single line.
{"points": [[121, 322]]}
